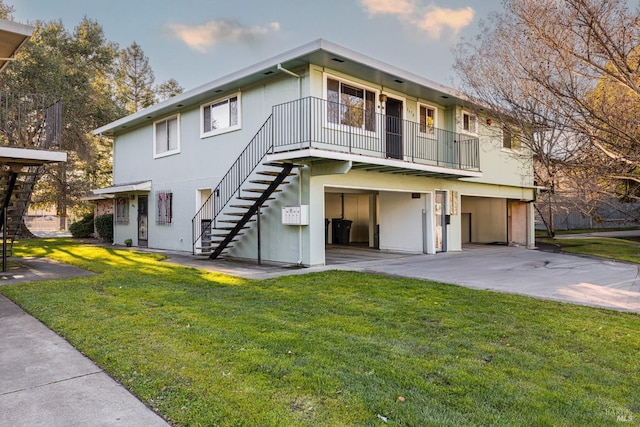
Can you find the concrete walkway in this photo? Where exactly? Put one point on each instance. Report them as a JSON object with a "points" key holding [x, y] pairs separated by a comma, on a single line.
{"points": [[44, 381]]}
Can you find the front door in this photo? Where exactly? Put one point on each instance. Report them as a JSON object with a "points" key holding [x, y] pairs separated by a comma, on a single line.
{"points": [[440, 209], [393, 122], [143, 221]]}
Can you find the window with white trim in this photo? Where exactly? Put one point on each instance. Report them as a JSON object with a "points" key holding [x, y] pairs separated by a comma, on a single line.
{"points": [[350, 104], [469, 122], [166, 136], [164, 204], [122, 210], [222, 115], [510, 139], [427, 115]]}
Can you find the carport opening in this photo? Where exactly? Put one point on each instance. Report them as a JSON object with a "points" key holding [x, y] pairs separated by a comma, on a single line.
{"points": [[496, 221], [351, 218], [483, 220]]}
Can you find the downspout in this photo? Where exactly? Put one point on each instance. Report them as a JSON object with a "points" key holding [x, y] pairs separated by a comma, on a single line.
{"points": [[292, 74], [297, 76]]}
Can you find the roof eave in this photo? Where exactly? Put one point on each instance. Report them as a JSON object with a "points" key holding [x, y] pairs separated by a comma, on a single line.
{"points": [[175, 104]]}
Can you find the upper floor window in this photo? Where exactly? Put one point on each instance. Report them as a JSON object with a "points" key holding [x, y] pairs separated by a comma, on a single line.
{"points": [[427, 119], [166, 137], [469, 122], [510, 140], [220, 116], [351, 105]]}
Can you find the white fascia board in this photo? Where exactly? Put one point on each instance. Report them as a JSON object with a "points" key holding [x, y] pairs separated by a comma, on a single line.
{"points": [[124, 188], [31, 156]]}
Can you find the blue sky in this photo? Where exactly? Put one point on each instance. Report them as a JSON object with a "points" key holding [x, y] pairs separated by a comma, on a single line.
{"points": [[196, 41]]}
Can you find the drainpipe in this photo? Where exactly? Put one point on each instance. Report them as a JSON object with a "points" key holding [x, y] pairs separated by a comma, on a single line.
{"points": [[292, 74]]}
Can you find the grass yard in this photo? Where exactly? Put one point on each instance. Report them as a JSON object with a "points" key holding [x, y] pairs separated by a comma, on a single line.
{"points": [[620, 249], [336, 348]]}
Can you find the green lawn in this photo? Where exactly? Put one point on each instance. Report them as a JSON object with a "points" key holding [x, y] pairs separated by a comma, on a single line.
{"points": [[336, 348], [606, 247]]}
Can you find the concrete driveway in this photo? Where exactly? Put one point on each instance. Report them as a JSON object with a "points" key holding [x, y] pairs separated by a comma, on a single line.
{"points": [[555, 276]]}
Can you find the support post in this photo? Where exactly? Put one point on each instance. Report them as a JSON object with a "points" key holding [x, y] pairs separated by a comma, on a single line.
{"points": [[259, 243], [4, 240]]}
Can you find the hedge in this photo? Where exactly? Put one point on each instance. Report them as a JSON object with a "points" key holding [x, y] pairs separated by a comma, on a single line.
{"points": [[82, 228], [104, 226]]}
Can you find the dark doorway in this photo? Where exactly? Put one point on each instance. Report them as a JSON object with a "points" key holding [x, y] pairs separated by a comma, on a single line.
{"points": [[393, 108], [143, 221]]}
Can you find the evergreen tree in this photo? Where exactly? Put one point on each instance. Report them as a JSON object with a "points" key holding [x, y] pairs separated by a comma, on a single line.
{"points": [[135, 78]]}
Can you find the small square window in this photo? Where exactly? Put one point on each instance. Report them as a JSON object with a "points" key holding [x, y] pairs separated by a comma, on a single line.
{"points": [[469, 122], [220, 116], [510, 140], [427, 119]]}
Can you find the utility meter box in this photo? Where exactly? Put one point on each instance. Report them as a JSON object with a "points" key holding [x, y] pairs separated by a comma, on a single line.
{"points": [[295, 215]]}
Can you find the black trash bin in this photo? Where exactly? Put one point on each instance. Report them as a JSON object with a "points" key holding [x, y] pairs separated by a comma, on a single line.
{"points": [[341, 231], [326, 230]]}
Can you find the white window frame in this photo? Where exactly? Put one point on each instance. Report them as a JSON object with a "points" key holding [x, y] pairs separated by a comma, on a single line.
{"points": [[515, 136], [121, 213], [470, 131], [347, 127], [230, 128], [168, 152], [428, 134]]}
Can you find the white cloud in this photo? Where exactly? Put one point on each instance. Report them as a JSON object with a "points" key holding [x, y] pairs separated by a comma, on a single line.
{"points": [[436, 20], [394, 7], [432, 19], [202, 37]]}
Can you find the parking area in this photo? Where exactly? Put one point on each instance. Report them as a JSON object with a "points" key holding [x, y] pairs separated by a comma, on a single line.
{"points": [[555, 276]]}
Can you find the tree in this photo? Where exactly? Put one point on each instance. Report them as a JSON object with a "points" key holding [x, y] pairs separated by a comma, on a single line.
{"points": [[89, 75], [77, 68], [167, 90], [135, 79], [569, 68], [6, 12]]}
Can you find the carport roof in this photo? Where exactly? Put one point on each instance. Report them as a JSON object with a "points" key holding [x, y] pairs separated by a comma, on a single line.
{"points": [[12, 36]]}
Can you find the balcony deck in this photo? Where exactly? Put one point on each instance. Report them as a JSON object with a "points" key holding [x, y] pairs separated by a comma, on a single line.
{"points": [[312, 129]]}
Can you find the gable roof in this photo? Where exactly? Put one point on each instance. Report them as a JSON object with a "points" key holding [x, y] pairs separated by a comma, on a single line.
{"points": [[320, 52], [12, 37]]}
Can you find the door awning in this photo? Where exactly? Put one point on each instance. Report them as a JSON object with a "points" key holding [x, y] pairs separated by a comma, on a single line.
{"points": [[123, 188]]}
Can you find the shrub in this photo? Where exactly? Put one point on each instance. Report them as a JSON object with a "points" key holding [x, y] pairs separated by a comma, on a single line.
{"points": [[104, 226], [82, 228]]}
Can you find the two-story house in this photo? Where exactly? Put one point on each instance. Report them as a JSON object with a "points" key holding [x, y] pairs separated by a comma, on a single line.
{"points": [[320, 145]]}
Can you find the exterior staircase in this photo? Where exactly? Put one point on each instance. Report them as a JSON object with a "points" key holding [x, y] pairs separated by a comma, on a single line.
{"points": [[27, 121], [243, 191], [17, 188], [246, 206]]}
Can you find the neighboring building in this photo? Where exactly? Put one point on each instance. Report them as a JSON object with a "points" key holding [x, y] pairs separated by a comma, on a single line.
{"points": [[406, 160], [30, 132]]}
